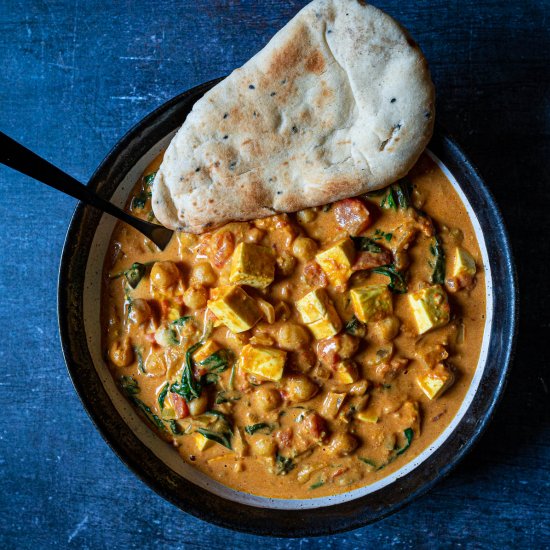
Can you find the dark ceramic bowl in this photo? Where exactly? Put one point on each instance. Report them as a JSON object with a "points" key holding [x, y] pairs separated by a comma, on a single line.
{"points": [[159, 465]]}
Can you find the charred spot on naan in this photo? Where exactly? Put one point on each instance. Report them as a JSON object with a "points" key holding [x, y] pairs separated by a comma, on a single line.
{"points": [[315, 63]]}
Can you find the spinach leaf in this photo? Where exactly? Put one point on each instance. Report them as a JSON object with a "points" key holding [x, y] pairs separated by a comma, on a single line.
{"points": [[379, 235], [409, 434], [318, 484], [403, 192], [149, 178], [182, 321], [174, 427], [129, 385], [220, 431], [189, 388], [436, 248], [232, 375], [131, 388], [218, 362], [253, 428], [397, 195], [283, 465], [140, 200], [140, 362], [355, 327], [397, 284], [162, 395], [135, 273], [368, 462], [220, 438], [227, 397], [149, 414], [365, 244], [389, 200]]}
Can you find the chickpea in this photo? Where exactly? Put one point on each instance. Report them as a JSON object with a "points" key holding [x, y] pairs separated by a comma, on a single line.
{"points": [[342, 444], [121, 352], [306, 216], [254, 235], [283, 291], [385, 330], [166, 336], [286, 264], [195, 297], [187, 240], [140, 311], [203, 274], [337, 348], [300, 388], [263, 446], [266, 398], [292, 337], [304, 248], [303, 360], [155, 364], [199, 405], [164, 274]]}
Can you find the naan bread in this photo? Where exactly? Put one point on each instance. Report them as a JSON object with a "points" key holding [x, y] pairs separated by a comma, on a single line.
{"points": [[339, 102]]}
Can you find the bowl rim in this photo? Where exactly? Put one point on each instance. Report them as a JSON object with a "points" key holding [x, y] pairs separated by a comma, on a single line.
{"points": [[207, 506]]}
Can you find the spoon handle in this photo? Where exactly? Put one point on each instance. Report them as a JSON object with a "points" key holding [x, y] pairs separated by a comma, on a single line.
{"points": [[23, 160]]}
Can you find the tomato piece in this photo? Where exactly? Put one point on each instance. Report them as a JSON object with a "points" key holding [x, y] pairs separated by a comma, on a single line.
{"points": [[221, 248], [316, 426], [314, 275], [180, 406], [352, 215], [284, 437], [368, 260]]}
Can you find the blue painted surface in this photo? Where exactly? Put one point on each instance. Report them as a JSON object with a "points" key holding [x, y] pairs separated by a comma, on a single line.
{"points": [[76, 75]]}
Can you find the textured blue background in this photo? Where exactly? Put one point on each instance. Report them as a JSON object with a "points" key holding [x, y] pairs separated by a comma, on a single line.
{"points": [[75, 75]]}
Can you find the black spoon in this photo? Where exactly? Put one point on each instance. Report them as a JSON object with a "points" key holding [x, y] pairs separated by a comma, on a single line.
{"points": [[23, 160]]}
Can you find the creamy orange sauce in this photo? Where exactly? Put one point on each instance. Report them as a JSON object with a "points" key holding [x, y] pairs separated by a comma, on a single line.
{"points": [[303, 444]]}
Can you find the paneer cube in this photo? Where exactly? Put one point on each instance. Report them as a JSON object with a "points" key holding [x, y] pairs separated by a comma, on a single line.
{"points": [[464, 265], [368, 416], [434, 382], [202, 442], [326, 327], [345, 372], [371, 303], [168, 411], [263, 361], [234, 308], [318, 313], [206, 350], [332, 404], [430, 308], [336, 262], [252, 265]]}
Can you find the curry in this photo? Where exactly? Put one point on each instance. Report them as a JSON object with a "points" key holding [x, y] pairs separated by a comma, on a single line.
{"points": [[301, 355]]}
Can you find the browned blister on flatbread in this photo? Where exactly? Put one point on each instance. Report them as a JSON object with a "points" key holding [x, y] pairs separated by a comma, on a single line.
{"points": [[340, 102]]}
